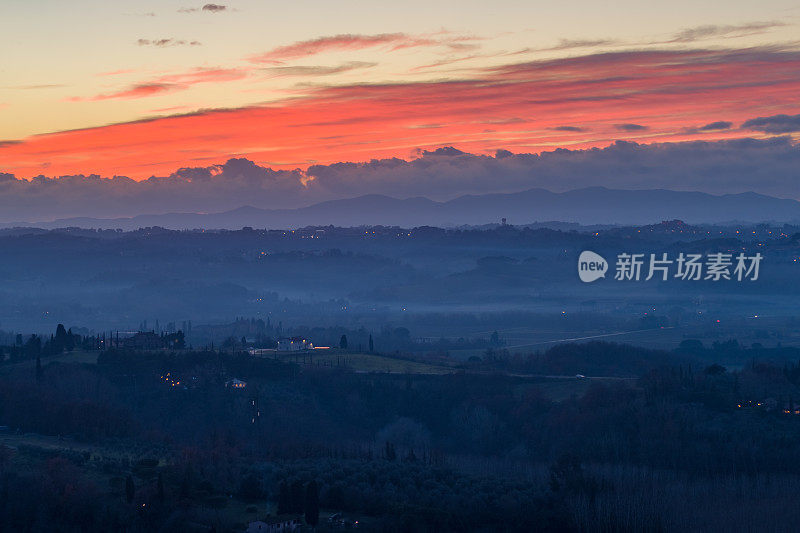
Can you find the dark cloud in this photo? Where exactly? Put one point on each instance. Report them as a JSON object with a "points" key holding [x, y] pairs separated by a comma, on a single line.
{"points": [[686, 35], [39, 86], [446, 151], [710, 31], [569, 44], [211, 8], [167, 42], [349, 41], [569, 128], [630, 127], [458, 59], [631, 61], [767, 166], [719, 125], [774, 124], [317, 70], [716, 126]]}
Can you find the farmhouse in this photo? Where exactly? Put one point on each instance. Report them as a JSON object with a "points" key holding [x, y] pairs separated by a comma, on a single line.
{"points": [[294, 344], [236, 383], [275, 525], [144, 340]]}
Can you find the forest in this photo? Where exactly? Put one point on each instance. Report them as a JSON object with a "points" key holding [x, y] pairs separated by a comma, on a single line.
{"points": [[143, 440]]}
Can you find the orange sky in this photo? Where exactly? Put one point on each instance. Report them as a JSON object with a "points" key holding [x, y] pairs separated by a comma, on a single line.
{"points": [[357, 96]]}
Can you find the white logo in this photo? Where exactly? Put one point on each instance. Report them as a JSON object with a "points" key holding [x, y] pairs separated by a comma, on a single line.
{"points": [[591, 266]]}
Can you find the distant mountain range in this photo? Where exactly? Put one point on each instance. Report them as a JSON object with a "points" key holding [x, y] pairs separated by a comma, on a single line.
{"points": [[593, 205]]}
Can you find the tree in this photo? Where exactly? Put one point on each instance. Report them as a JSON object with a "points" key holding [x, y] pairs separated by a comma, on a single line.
{"points": [[33, 346], [312, 504], [186, 482], [69, 343], [60, 340], [402, 334], [691, 346], [229, 343], [160, 488], [567, 475], [283, 499], [180, 341], [391, 455], [5, 457], [130, 489], [296, 497], [494, 340], [343, 342], [371, 344], [250, 488]]}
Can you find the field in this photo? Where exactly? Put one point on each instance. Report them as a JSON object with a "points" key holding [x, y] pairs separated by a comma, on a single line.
{"points": [[367, 363], [75, 356]]}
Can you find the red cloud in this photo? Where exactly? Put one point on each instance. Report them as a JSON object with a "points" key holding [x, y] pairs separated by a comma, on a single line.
{"points": [[137, 91], [171, 82], [204, 75], [519, 107]]}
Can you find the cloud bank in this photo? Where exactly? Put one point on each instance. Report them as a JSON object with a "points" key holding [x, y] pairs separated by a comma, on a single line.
{"points": [[768, 166]]}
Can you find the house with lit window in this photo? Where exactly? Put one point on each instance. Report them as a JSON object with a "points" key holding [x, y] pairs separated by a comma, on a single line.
{"points": [[294, 344], [274, 525], [235, 384]]}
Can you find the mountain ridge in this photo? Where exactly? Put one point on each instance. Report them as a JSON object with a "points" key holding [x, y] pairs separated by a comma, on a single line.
{"points": [[589, 205]]}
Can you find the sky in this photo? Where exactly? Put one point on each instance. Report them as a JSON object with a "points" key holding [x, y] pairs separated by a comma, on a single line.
{"points": [[145, 88]]}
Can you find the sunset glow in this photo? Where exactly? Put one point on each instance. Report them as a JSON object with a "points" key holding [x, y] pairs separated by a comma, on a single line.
{"points": [[354, 95]]}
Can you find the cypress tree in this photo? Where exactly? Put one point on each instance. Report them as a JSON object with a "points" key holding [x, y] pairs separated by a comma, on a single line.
{"points": [[160, 488], [130, 489], [312, 504]]}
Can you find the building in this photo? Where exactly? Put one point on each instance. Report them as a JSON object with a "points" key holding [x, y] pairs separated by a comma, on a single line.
{"points": [[274, 525], [235, 384], [144, 340], [294, 344], [261, 351]]}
